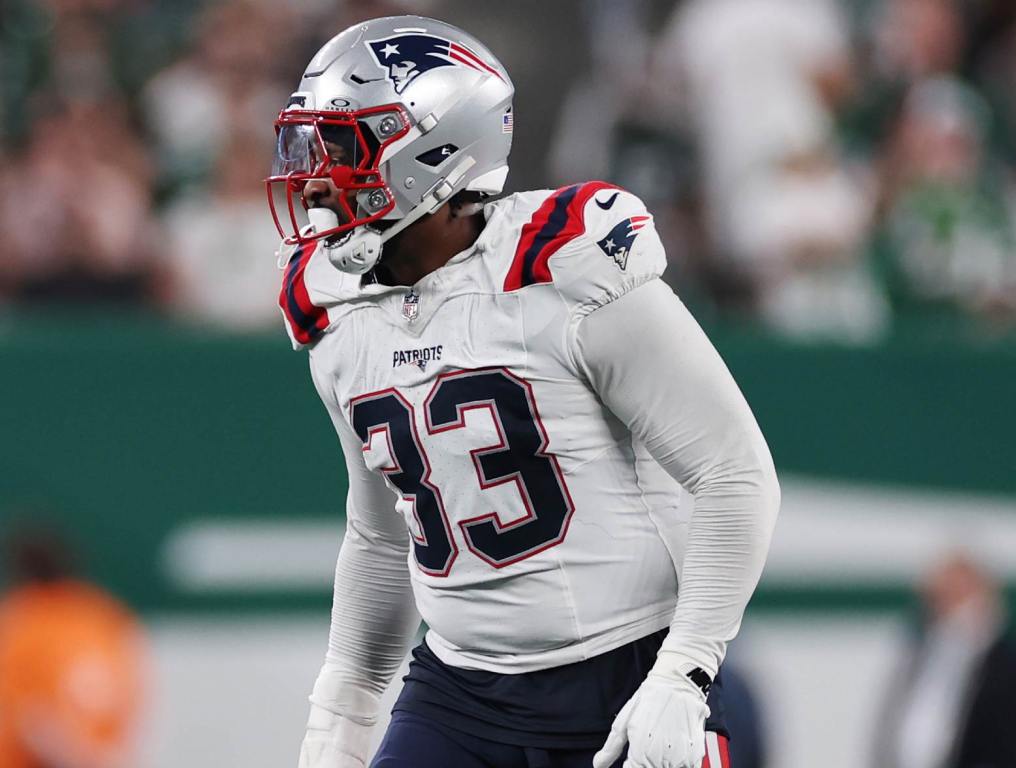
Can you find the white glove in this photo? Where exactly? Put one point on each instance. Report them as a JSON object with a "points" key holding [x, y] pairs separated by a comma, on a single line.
{"points": [[334, 741], [663, 724]]}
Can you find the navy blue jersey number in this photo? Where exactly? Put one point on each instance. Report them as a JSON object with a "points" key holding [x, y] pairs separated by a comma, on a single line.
{"points": [[388, 412], [520, 456]]}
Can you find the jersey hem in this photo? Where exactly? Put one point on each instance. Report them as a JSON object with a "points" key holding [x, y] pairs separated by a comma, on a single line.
{"points": [[557, 657]]}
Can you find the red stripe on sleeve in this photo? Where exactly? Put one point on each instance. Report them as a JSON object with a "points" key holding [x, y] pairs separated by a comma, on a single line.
{"points": [[576, 226], [541, 238], [513, 280], [306, 319], [300, 292], [284, 303]]}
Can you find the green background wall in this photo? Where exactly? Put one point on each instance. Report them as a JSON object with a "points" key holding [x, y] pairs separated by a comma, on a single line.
{"points": [[122, 427]]}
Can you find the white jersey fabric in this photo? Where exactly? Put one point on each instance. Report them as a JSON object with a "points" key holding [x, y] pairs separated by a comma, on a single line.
{"points": [[529, 413]]}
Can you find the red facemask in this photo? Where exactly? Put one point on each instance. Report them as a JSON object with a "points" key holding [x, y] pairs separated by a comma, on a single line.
{"points": [[339, 154]]}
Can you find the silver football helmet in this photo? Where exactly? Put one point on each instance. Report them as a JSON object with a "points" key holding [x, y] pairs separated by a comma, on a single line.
{"points": [[399, 114]]}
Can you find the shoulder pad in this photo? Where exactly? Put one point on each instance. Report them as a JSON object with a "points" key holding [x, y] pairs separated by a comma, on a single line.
{"points": [[594, 241], [312, 292]]}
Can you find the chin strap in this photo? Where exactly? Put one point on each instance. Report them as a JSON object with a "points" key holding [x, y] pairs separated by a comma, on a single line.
{"points": [[360, 250], [433, 198]]}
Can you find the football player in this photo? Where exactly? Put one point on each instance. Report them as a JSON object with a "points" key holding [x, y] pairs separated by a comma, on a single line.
{"points": [[520, 401]]}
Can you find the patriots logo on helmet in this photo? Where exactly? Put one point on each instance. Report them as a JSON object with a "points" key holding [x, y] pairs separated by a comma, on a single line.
{"points": [[618, 242], [407, 56]]}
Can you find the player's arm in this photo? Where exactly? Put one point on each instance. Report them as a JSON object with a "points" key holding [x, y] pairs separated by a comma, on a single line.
{"points": [[656, 370], [374, 618], [652, 365]]}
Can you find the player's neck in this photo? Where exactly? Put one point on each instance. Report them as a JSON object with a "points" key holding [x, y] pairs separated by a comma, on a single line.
{"points": [[427, 245]]}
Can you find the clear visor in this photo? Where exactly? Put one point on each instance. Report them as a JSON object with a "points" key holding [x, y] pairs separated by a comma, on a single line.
{"points": [[307, 148]]}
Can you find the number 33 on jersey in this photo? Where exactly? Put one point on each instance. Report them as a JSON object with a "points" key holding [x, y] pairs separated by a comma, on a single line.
{"points": [[519, 456]]}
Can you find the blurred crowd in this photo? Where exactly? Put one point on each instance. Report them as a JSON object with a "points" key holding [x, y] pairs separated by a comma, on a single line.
{"points": [[823, 168]]}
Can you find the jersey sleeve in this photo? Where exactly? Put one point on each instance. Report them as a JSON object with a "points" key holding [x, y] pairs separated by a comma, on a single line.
{"points": [[313, 291], [374, 617], [593, 241], [654, 368]]}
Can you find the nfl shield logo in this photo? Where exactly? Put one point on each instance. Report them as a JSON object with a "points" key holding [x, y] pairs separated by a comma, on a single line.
{"points": [[411, 306]]}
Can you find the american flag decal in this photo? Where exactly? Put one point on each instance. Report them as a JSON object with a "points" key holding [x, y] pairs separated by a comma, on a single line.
{"points": [[508, 121]]}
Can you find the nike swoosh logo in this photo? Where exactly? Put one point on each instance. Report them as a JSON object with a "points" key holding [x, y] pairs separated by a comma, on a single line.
{"points": [[610, 202]]}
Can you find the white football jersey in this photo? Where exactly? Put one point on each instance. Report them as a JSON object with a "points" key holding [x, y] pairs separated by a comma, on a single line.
{"points": [[542, 532]]}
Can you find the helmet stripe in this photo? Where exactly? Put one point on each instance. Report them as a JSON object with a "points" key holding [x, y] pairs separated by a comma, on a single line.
{"points": [[466, 56]]}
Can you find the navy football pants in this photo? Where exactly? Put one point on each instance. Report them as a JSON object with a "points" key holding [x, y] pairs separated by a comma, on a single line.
{"points": [[413, 741]]}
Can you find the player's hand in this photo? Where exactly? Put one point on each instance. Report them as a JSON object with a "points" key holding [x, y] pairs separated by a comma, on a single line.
{"points": [[663, 724], [333, 741]]}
